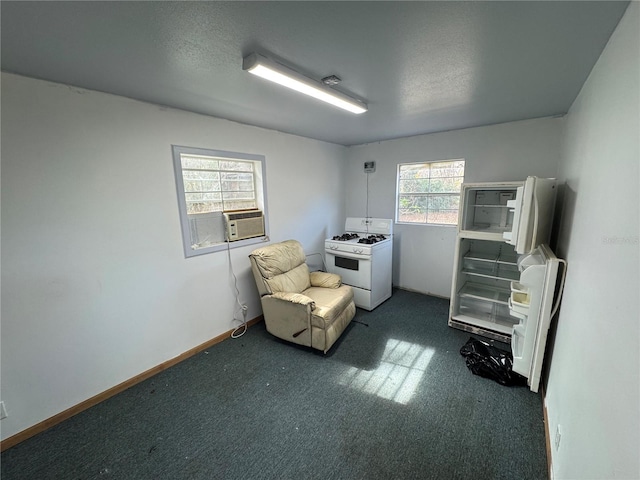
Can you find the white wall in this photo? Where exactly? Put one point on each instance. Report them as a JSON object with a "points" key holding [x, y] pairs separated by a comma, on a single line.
{"points": [[593, 385], [423, 255], [95, 287]]}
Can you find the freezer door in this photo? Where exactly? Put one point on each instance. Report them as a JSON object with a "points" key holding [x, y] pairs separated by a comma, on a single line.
{"points": [[532, 214]]}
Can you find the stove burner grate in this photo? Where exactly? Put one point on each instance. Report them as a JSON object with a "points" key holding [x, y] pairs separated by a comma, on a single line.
{"points": [[372, 239], [345, 237]]}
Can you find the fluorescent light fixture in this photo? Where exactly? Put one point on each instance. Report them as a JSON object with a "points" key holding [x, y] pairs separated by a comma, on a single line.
{"points": [[270, 70]]}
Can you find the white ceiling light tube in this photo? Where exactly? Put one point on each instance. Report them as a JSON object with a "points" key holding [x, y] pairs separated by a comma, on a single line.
{"points": [[270, 70]]}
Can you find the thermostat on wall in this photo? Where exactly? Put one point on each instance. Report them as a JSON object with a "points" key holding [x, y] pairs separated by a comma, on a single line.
{"points": [[369, 167]]}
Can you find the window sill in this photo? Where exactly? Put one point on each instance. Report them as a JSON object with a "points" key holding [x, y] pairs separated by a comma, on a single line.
{"points": [[427, 224], [222, 246]]}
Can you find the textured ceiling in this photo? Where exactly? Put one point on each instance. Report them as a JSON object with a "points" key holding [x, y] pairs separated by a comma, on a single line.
{"points": [[421, 66]]}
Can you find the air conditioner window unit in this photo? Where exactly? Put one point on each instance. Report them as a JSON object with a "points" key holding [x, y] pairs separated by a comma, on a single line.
{"points": [[244, 224]]}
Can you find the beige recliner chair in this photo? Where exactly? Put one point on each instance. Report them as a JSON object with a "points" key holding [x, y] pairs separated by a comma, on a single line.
{"points": [[310, 309]]}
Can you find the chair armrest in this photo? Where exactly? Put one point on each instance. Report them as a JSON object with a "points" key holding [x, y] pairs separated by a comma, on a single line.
{"points": [[324, 279], [294, 298]]}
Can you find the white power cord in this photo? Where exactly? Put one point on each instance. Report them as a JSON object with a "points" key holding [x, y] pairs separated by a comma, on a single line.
{"points": [[242, 329]]}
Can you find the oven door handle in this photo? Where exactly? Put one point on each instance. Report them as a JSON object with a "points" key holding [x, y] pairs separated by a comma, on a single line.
{"points": [[356, 256]]}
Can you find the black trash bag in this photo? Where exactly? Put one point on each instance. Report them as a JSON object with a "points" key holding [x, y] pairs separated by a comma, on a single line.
{"points": [[488, 361]]}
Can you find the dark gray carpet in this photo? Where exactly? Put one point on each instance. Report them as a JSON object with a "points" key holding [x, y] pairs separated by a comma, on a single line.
{"points": [[260, 408]]}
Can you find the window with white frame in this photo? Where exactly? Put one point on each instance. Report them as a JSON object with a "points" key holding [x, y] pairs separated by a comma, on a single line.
{"points": [[429, 193], [211, 183]]}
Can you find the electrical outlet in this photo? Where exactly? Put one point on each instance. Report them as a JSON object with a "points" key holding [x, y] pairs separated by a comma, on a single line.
{"points": [[3, 411], [558, 437]]}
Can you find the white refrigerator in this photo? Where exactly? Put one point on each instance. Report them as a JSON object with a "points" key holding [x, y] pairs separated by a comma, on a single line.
{"points": [[504, 275]]}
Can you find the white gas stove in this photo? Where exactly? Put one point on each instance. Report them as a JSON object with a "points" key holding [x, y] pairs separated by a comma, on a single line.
{"points": [[362, 256]]}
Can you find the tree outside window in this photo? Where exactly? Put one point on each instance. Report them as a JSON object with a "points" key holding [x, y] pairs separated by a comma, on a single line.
{"points": [[429, 193]]}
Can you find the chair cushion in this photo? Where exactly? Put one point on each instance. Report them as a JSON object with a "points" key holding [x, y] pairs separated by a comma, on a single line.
{"points": [[279, 258], [282, 266], [294, 281], [330, 303]]}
